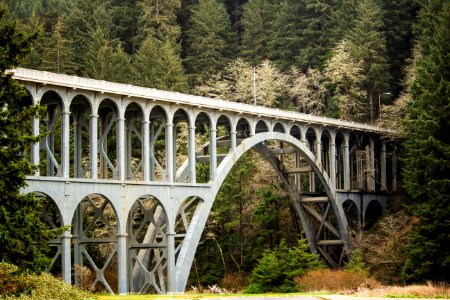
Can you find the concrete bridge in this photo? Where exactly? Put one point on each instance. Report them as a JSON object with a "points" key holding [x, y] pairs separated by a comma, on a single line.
{"points": [[120, 164]]}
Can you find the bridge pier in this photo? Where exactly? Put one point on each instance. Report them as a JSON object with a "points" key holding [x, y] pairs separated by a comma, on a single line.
{"points": [[134, 198]]}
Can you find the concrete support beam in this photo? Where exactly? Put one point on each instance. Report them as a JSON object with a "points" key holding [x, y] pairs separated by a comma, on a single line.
{"points": [[383, 166], [35, 146], [169, 151], [93, 144], [213, 152], [121, 167], [346, 163], [122, 264], [66, 257], [65, 160]]}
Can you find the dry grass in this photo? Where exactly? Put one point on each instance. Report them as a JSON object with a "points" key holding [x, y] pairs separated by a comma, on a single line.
{"points": [[335, 281], [429, 290]]}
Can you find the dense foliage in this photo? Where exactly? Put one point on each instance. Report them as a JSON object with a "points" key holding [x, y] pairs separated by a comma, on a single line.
{"points": [[23, 234], [427, 149]]}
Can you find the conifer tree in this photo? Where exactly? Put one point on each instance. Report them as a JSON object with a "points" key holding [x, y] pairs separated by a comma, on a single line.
{"points": [[298, 34], [426, 156], [367, 44], [209, 40], [157, 65], [159, 19], [256, 19], [23, 235], [57, 52]]}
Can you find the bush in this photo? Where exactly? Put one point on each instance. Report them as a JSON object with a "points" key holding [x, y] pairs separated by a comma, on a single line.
{"points": [[335, 281], [277, 268], [31, 286]]}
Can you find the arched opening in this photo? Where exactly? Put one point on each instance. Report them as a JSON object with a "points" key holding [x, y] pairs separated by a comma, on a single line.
{"points": [[51, 216], [373, 212], [94, 231], [51, 144], [261, 126], [364, 156], [181, 145], [224, 139], [243, 129], [352, 214], [183, 220], [80, 112], [147, 246], [107, 140], [325, 151], [158, 145], [278, 127], [296, 132], [355, 163], [134, 142], [340, 150], [203, 144]]}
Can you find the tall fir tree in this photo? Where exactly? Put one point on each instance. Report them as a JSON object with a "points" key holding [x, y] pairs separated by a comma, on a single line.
{"points": [[85, 18], [398, 18], [209, 40], [57, 53], [157, 65], [367, 43], [23, 235], [256, 19], [298, 34], [159, 19], [426, 154]]}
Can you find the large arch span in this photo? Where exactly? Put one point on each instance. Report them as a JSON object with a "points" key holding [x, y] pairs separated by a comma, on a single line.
{"points": [[305, 213]]}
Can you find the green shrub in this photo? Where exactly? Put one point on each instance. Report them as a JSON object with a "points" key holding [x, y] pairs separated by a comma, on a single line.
{"points": [[30, 286], [254, 288], [277, 268], [356, 263]]}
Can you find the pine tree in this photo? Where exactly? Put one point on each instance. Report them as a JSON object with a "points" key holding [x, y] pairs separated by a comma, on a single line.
{"points": [[158, 18], [157, 65], [23, 235], [367, 44], [57, 52], [398, 19], [298, 34], [86, 17], [427, 149], [256, 19], [209, 40]]}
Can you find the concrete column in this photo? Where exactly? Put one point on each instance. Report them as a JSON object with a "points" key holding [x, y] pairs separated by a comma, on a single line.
{"points": [[233, 140], [93, 144], [169, 152], [213, 152], [146, 149], [120, 142], [35, 146], [333, 159], [383, 166], [319, 151], [66, 257], [171, 263], [65, 160], [346, 163], [122, 263], [191, 155], [174, 152]]}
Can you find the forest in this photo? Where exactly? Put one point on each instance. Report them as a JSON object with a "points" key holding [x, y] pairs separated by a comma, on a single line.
{"points": [[381, 62]]}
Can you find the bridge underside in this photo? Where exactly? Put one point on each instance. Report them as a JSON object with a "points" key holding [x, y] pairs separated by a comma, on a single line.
{"points": [[122, 169]]}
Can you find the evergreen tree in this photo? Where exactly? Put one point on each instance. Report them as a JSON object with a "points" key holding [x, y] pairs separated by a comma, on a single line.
{"points": [[398, 20], [298, 34], [209, 40], [86, 17], [34, 59], [125, 20], [23, 234], [367, 44], [256, 19], [56, 51], [427, 149], [158, 18], [157, 65], [342, 19]]}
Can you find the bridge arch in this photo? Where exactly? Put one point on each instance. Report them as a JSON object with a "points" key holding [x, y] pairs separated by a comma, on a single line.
{"points": [[191, 240]]}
